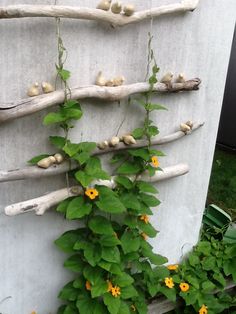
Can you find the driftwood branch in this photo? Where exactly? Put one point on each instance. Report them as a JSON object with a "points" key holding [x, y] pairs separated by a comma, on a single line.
{"points": [[21, 11], [36, 172], [31, 105], [43, 203]]}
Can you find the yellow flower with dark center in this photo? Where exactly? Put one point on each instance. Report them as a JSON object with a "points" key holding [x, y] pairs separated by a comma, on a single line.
{"points": [[173, 267], [91, 193], [169, 282], [115, 291], [88, 285], [203, 310], [145, 218], [109, 285], [133, 308], [155, 161], [145, 237], [184, 286]]}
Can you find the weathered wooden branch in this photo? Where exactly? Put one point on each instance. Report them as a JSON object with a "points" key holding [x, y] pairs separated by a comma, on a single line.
{"points": [[21, 11], [41, 204], [31, 105], [36, 172]]}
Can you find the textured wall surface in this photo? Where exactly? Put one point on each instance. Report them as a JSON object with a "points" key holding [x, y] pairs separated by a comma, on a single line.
{"points": [[195, 43]]}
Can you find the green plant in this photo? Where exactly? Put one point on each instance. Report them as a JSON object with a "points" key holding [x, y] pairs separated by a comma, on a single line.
{"points": [[109, 254], [201, 279]]}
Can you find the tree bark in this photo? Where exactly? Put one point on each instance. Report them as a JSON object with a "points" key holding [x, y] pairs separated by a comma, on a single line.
{"points": [[11, 111], [36, 172], [21, 11], [43, 203]]}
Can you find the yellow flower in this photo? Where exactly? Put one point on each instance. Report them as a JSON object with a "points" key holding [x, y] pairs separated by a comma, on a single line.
{"points": [[145, 218], [88, 285], [91, 193], [109, 285], [115, 291], [184, 286], [133, 308], [169, 282], [33, 312], [144, 236], [155, 161], [203, 310], [172, 267]]}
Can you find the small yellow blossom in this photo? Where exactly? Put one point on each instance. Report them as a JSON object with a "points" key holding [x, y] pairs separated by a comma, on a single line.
{"points": [[184, 286], [145, 218], [133, 308], [88, 285], [173, 267], [155, 161], [203, 310], [169, 282], [91, 193], [115, 291], [145, 237], [33, 312], [109, 285]]}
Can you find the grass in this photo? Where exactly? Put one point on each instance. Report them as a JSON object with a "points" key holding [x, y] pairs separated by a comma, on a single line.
{"points": [[222, 187]]}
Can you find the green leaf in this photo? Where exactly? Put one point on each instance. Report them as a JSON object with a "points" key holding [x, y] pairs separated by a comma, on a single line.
{"points": [[128, 292], [82, 157], [99, 288], [100, 225], [74, 263], [118, 158], [130, 200], [79, 282], [147, 228], [113, 304], [193, 259], [62, 207], [67, 241], [130, 242], [204, 247], [124, 308], [85, 304], [220, 278], [140, 152], [138, 133], [141, 306], [70, 148], [77, 208], [93, 253], [124, 181], [207, 286], [153, 288], [83, 178], [71, 113], [109, 240], [53, 117], [153, 107], [93, 168], [110, 204], [57, 141], [68, 293], [209, 263], [152, 131], [146, 187], [190, 297], [149, 200], [130, 221], [70, 103], [161, 272], [100, 309], [36, 159], [87, 147], [123, 280], [155, 152], [64, 74], [111, 254], [169, 293], [93, 274], [128, 168]]}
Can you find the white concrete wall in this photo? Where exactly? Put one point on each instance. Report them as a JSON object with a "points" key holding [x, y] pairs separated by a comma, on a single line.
{"points": [[195, 43]]}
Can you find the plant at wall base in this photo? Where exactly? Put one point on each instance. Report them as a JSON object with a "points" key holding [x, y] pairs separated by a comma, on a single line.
{"points": [[200, 281]]}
